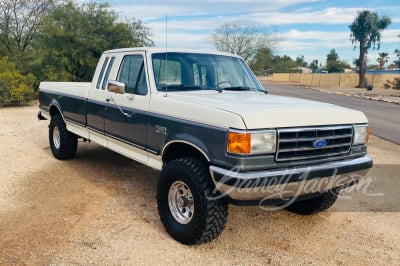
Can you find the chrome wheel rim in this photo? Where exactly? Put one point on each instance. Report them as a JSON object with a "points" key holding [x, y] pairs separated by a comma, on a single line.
{"points": [[180, 201], [56, 137]]}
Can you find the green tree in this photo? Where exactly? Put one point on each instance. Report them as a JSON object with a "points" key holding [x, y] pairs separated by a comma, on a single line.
{"points": [[284, 64], [332, 56], [333, 65], [241, 39], [366, 31], [356, 62], [314, 64], [301, 62], [382, 59], [73, 36], [262, 60], [336, 66]]}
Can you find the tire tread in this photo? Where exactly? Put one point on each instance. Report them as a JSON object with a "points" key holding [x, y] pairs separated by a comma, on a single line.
{"points": [[216, 211], [68, 140]]}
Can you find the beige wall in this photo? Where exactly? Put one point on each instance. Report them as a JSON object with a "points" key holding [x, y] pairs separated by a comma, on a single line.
{"points": [[343, 80]]}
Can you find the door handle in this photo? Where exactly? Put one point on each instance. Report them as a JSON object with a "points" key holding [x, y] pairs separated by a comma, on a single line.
{"points": [[111, 99]]}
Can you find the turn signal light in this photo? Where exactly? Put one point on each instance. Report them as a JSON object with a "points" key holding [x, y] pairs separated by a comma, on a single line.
{"points": [[239, 143]]}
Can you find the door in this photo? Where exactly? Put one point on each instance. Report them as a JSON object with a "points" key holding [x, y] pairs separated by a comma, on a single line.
{"points": [[126, 117]]}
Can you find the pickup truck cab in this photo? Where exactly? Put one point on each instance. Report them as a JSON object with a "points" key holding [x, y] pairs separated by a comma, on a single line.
{"points": [[218, 138]]}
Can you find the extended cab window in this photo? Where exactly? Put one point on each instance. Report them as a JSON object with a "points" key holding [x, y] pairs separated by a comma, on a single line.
{"points": [[103, 68], [105, 80], [132, 73]]}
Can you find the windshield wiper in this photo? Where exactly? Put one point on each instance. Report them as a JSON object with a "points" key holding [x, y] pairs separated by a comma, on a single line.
{"points": [[240, 88], [181, 87]]}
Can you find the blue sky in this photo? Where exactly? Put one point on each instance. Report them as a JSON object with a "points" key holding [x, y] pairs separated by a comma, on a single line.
{"points": [[304, 27]]}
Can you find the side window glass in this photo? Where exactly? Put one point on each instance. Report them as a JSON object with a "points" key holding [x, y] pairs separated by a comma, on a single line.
{"points": [[103, 68], [105, 80], [132, 73]]}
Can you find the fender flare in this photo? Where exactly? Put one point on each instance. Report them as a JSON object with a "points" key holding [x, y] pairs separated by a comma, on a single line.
{"points": [[55, 104], [189, 140]]}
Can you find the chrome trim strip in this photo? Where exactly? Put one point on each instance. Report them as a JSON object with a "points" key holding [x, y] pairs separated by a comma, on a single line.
{"points": [[185, 142], [313, 149], [125, 141]]}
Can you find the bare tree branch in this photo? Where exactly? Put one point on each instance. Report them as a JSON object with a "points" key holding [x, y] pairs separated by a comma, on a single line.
{"points": [[20, 21], [241, 39]]}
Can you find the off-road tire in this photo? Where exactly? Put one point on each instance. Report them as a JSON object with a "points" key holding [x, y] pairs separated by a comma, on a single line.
{"points": [[63, 144], [314, 205], [209, 214]]}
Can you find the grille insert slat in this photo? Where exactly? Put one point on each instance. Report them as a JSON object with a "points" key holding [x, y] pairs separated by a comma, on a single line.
{"points": [[299, 143]]}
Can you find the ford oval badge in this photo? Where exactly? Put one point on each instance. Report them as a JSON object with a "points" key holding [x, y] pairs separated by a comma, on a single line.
{"points": [[320, 143]]}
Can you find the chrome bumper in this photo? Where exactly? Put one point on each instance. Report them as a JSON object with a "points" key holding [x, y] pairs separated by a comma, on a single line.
{"points": [[287, 183]]}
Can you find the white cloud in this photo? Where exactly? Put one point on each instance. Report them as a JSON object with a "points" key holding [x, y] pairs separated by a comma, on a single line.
{"points": [[151, 8], [326, 16], [312, 29], [391, 36]]}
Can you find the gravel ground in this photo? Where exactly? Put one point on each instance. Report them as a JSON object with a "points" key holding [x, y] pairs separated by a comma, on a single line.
{"points": [[100, 209]]}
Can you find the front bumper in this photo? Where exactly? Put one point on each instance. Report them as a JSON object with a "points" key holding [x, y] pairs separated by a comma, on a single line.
{"points": [[278, 184]]}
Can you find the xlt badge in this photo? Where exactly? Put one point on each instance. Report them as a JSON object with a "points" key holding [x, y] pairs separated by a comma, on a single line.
{"points": [[161, 130]]}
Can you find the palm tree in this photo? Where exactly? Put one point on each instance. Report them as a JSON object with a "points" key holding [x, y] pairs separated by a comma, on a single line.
{"points": [[382, 59]]}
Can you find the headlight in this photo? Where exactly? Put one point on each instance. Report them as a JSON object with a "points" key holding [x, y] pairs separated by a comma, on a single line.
{"points": [[258, 142], [361, 134]]}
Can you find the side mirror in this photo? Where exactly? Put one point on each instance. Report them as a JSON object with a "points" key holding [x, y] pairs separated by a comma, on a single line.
{"points": [[116, 86]]}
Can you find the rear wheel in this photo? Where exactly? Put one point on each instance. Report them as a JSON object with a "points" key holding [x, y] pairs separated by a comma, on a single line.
{"points": [[187, 208], [63, 144]]}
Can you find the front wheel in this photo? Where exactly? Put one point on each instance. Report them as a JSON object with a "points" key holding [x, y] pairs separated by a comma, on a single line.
{"points": [[187, 209], [63, 144]]}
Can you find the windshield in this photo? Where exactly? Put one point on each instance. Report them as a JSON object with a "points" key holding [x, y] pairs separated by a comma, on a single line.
{"points": [[190, 71]]}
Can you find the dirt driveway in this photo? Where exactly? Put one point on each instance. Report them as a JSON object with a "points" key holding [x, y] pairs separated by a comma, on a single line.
{"points": [[100, 209]]}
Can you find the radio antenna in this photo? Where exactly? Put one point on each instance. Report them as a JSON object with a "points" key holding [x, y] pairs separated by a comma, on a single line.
{"points": [[166, 54]]}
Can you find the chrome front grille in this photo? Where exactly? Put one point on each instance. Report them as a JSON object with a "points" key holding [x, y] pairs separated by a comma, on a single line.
{"points": [[308, 143]]}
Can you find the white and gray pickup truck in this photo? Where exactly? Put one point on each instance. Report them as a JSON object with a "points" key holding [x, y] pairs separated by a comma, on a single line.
{"points": [[218, 138]]}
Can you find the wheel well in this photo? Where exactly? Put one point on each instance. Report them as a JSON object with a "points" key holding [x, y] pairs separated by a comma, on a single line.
{"points": [[54, 111], [180, 150]]}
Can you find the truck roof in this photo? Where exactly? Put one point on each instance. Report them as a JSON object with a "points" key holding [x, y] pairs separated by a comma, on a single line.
{"points": [[163, 50]]}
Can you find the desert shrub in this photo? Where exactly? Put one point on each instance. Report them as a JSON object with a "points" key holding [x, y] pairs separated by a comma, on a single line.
{"points": [[15, 88], [394, 84]]}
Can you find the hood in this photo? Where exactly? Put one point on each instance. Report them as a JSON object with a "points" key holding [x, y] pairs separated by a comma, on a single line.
{"points": [[259, 110]]}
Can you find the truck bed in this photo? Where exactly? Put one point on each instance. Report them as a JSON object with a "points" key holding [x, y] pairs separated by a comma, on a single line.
{"points": [[78, 89], [68, 97]]}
